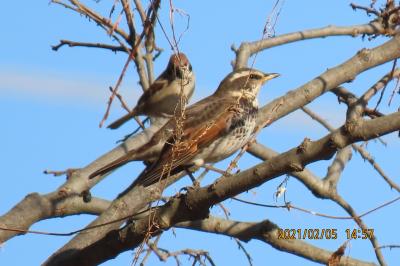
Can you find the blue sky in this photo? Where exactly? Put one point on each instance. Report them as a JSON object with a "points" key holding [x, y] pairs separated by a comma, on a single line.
{"points": [[51, 104]]}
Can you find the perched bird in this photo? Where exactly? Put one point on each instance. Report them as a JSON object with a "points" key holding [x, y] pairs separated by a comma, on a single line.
{"points": [[163, 96], [213, 128]]}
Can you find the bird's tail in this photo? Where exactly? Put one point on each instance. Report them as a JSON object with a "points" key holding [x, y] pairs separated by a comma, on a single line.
{"points": [[111, 166], [149, 176], [119, 122], [147, 152]]}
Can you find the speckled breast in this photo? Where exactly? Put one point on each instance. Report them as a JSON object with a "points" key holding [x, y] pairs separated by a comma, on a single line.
{"points": [[237, 135]]}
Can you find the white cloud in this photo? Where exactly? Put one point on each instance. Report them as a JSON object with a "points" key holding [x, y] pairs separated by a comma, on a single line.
{"points": [[62, 87], [298, 118]]}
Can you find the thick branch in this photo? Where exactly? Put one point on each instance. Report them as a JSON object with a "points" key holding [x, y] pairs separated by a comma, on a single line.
{"points": [[43, 207], [362, 151], [128, 203], [267, 232], [247, 49], [78, 181], [195, 204], [308, 178], [26, 214], [323, 188], [332, 78], [356, 110]]}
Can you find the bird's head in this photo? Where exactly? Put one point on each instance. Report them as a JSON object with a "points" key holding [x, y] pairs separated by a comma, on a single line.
{"points": [[179, 66], [244, 82]]}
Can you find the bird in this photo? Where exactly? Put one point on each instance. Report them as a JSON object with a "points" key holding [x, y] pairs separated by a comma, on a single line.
{"points": [[164, 96], [213, 129]]}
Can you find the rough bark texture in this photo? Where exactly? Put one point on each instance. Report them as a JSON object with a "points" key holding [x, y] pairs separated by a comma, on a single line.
{"points": [[191, 209]]}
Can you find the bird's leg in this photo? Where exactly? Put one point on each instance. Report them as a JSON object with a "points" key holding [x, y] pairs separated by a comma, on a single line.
{"points": [[141, 126], [190, 174], [139, 122], [217, 170]]}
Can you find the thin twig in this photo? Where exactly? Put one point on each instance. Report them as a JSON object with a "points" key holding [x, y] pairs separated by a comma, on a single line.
{"points": [[290, 206], [395, 90], [388, 246], [67, 172], [368, 10], [151, 15], [390, 78], [246, 253], [123, 103], [113, 48], [357, 218]]}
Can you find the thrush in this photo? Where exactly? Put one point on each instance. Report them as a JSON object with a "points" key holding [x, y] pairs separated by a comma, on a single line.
{"points": [[172, 89], [213, 129]]}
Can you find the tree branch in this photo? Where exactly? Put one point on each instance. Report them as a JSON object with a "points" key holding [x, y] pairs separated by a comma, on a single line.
{"points": [[364, 60], [100, 20], [247, 49], [332, 78], [267, 232], [362, 151], [43, 207], [113, 48], [195, 203]]}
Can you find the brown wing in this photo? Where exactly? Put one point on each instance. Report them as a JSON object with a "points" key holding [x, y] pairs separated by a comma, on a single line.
{"points": [[161, 82], [113, 165], [209, 109], [197, 134], [158, 84]]}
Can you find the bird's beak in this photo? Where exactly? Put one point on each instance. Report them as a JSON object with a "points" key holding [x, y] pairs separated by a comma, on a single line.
{"points": [[269, 76]]}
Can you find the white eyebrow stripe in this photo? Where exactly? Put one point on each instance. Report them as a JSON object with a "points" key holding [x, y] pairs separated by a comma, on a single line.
{"points": [[240, 74], [244, 73]]}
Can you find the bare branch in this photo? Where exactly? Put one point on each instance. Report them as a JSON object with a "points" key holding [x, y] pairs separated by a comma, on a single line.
{"points": [[163, 254], [346, 206], [364, 60], [336, 168], [113, 48], [389, 246], [151, 17], [350, 99], [367, 156], [293, 161], [382, 83], [310, 180], [129, 20], [247, 49], [332, 78], [362, 151], [246, 253], [140, 10], [267, 232], [129, 202], [384, 87], [368, 10], [100, 20], [195, 204], [36, 207]]}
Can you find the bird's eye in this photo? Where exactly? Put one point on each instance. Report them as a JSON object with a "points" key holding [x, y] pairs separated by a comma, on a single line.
{"points": [[254, 76], [178, 73], [190, 67]]}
